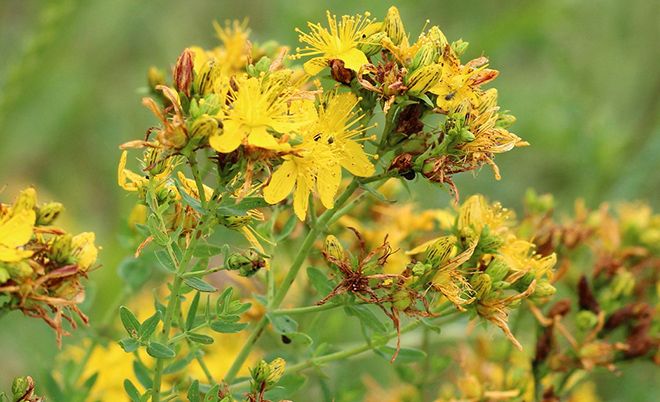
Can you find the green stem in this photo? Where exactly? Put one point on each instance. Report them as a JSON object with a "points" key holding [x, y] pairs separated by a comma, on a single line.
{"points": [[278, 297], [192, 159], [305, 310]]}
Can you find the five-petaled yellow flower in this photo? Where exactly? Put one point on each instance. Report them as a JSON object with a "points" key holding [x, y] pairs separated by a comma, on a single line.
{"points": [[337, 42], [259, 107], [328, 145]]}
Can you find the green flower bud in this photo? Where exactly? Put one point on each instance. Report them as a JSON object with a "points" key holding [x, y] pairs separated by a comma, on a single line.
{"points": [[523, 283], [18, 270], [47, 213], [489, 242], [505, 120], [333, 248], [204, 127], [246, 264], [153, 161], [497, 270], [206, 78], [372, 44], [393, 26], [459, 47], [586, 320], [61, 249], [482, 284], [22, 388], [622, 284], [260, 373], [544, 289], [425, 56], [440, 251], [263, 64], [420, 268]]}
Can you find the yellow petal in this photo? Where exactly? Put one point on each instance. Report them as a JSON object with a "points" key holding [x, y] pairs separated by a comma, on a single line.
{"points": [[315, 65], [17, 231], [353, 59], [355, 160], [281, 183], [327, 182], [8, 254], [230, 139], [259, 137], [301, 198]]}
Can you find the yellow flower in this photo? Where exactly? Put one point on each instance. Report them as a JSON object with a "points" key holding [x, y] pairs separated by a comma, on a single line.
{"points": [[258, 107], [327, 146], [337, 42], [16, 227]]}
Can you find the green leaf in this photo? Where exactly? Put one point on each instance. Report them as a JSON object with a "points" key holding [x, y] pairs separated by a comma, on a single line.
{"points": [[283, 324], [193, 392], [190, 201], [131, 390], [367, 317], [142, 374], [227, 327], [160, 351], [164, 260], [212, 394], [155, 229], [206, 250], [192, 312], [131, 323], [299, 339], [200, 338], [179, 364], [148, 327], [129, 345], [199, 284], [222, 304], [406, 355], [229, 208], [319, 281]]}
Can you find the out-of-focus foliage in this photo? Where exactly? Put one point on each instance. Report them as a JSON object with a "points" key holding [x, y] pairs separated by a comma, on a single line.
{"points": [[580, 76]]}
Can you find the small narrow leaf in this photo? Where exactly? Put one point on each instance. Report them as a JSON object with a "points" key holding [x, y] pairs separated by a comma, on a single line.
{"points": [[148, 327], [199, 284], [319, 281], [192, 312], [283, 324], [165, 261], [193, 392], [131, 390], [200, 338], [160, 351], [227, 327], [130, 322], [129, 345]]}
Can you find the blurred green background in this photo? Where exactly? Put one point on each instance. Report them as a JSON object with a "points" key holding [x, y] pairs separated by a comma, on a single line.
{"points": [[581, 76]]}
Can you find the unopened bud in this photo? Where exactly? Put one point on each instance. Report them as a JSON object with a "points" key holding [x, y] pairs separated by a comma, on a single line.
{"points": [[425, 56], [60, 249], [183, 72], [204, 127], [372, 44], [459, 47], [260, 373], [440, 251], [497, 270], [623, 283], [393, 26], [482, 284], [401, 299], [207, 77], [277, 367], [437, 36], [586, 320], [18, 270], [83, 250], [333, 248], [26, 200], [235, 222], [544, 289], [47, 213], [247, 264], [422, 79]]}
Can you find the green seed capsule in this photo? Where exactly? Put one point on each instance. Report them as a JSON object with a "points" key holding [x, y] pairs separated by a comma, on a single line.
{"points": [[47, 213]]}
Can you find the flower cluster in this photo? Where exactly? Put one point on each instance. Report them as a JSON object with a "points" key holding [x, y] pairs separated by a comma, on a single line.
{"points": [[40, 264], [480, 263]]}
